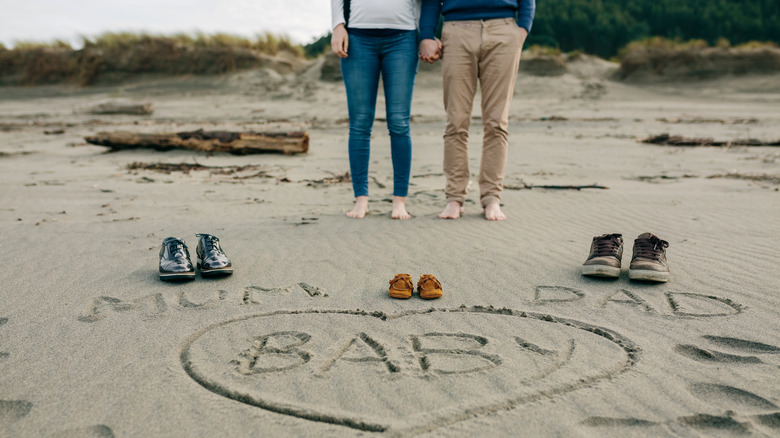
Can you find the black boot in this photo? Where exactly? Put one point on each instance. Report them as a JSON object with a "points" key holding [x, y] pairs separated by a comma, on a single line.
{"points": [[212, 261], [175, 261]]}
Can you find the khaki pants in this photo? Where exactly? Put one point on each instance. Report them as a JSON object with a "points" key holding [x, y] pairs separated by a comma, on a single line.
{"points": [[488, 51]]}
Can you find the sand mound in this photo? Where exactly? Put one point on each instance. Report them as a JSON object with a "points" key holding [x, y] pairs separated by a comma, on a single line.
{"points": [[587, 66], [693, 62], [543, 64], [330, 68], [94, 64], [538, 63], [534, 63]]}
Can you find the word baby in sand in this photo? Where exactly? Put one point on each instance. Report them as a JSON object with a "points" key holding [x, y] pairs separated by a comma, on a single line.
{"points": [[286, 350]]}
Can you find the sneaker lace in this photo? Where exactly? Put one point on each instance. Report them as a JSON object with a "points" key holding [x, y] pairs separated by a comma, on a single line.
{"points": [[651, 248], [606, 245]]}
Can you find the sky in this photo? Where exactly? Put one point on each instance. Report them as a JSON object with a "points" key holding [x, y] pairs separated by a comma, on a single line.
{"points": [[48, 20]]}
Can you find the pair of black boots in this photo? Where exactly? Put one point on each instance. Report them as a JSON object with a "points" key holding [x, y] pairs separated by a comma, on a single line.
{"points": [[175, 261]]}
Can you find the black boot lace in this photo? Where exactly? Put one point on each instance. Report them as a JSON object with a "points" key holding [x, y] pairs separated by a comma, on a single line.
{"points": [[606, 245], [210, 243], [177, 248], [651, 248]]}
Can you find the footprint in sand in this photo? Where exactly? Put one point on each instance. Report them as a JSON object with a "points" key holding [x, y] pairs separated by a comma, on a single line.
{"points": [[729, 397], [3, 354], [98, 431], [617, 422], [742, 344], [724, 397], [702, 355], [710, 422], [12, 410], [738, 345]]}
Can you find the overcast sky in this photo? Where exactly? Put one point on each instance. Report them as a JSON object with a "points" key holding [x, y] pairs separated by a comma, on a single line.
{"points": [[47, 20]]}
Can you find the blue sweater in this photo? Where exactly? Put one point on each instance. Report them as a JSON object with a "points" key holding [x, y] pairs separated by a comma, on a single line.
{"points": [[461, 10]]}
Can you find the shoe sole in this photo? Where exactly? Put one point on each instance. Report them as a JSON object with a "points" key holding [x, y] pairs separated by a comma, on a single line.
{"points": [[431, 295], [216, 272], [600, 271], [177, 276], [645, 275], [400, 295]]}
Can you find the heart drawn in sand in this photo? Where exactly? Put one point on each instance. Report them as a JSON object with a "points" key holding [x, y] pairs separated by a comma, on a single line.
{"points": [[406, 373]]}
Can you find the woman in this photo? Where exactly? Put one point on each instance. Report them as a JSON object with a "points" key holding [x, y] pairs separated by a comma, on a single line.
{"points": [[373, 38]]}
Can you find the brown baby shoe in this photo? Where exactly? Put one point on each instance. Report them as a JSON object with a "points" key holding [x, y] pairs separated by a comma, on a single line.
{"points": [[401, 286], [429, 287]]}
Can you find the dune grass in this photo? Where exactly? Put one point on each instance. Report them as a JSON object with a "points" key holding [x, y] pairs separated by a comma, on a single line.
{"points": [[696, 59], [113, 57], [116, 55]]}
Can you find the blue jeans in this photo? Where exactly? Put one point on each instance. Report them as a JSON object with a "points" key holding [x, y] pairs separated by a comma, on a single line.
{"points": [[396, 58]]}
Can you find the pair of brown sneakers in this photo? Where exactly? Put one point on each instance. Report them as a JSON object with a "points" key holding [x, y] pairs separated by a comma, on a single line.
{"points": [[427, 286], [648, 262]]}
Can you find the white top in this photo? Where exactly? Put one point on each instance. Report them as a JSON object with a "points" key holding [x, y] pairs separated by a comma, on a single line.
{"points": [[378, 14]]}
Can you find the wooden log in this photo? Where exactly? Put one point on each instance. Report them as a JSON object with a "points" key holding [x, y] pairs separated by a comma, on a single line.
{"points": [[526, 186], [676, 140], [238, 143], [119, 107]]}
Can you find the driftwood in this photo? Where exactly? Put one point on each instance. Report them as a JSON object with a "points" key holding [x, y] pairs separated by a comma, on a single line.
{"points": [[676, 140], [335, 179], [186, 168], [119, 107], [238, 143], [526, 186], [774, 179], [691, 120]]}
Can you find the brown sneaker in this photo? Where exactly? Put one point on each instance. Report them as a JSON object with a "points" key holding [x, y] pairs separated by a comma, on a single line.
{"points": [[401, 286], [428, 287], [606, 254], [648, 262]]}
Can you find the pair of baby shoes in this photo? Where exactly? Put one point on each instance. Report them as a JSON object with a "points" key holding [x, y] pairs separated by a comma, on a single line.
{"points": [[427, 286]]}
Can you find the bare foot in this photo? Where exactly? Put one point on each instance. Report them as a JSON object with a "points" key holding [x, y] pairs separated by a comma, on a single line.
{"points": [[453, 210], [360, 209], [399, 208], [493, 212]]}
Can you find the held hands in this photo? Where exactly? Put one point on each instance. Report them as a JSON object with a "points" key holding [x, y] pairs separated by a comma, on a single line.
{"points": [[431, 50], [339, 41]]}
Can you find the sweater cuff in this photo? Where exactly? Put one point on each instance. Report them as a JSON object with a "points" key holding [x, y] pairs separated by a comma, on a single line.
{"points": [[337, 19], [427, 34]]}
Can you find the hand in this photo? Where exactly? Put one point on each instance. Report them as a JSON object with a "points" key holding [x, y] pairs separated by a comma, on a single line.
{"points": [[431, 50], [339, 41], [524, 31]]}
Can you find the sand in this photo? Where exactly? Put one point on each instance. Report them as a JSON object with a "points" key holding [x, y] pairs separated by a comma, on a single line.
{"points": [[302, 340]]}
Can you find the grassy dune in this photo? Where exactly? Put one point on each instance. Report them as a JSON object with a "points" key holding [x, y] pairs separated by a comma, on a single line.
{"points": [[115, 56], [663, 58]]}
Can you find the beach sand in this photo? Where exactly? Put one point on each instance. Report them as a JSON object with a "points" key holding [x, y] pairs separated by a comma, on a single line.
{"points": [[303, 340]]}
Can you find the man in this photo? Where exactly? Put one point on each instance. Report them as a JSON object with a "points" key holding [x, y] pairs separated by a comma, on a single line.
{"points": [[482, 41]]}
